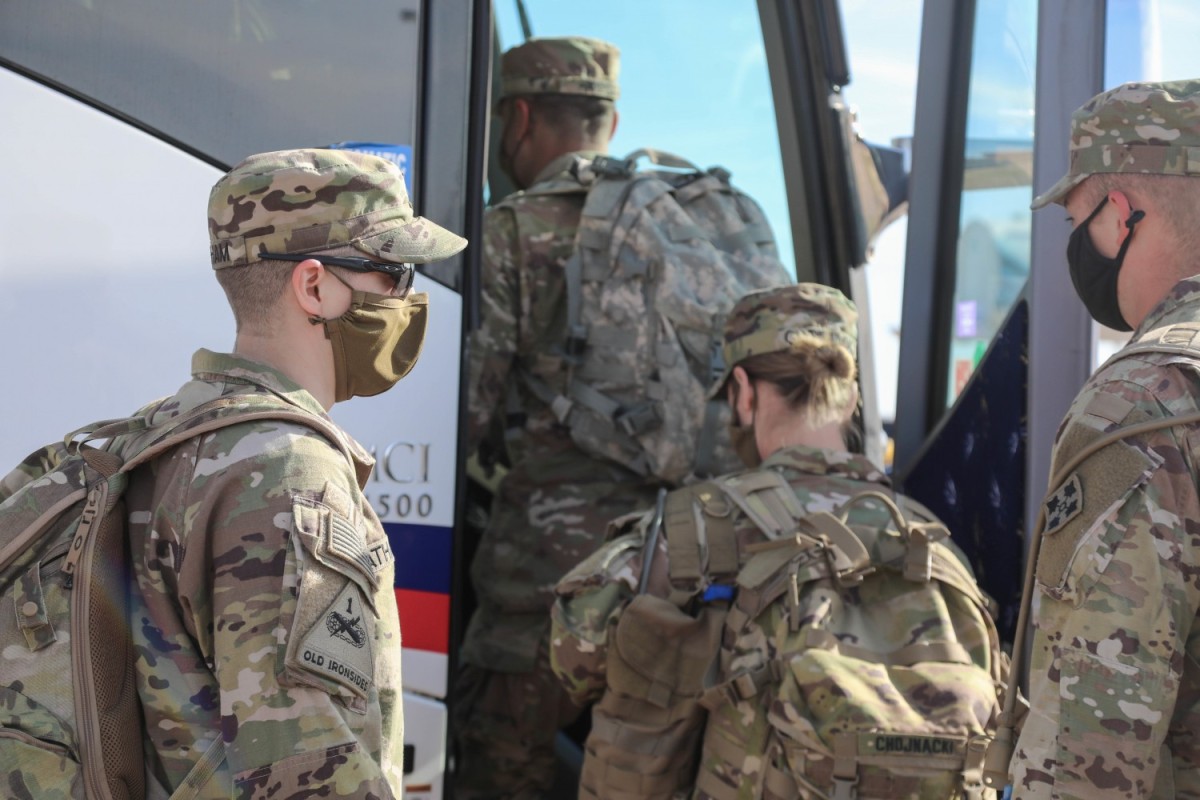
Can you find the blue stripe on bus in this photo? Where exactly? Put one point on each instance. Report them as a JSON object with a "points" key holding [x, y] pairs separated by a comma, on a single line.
{"points": [[422, 556]]}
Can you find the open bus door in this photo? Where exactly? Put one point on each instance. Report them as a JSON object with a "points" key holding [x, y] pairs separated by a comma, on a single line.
{"points": [[994, 343]]}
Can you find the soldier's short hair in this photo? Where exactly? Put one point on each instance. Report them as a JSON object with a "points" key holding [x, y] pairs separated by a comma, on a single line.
{"points": [[1173, 197], [254, 290], [589, 117]]}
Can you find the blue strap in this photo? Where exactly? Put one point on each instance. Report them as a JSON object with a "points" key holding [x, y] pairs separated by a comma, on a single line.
{"points": [[718, 592]]}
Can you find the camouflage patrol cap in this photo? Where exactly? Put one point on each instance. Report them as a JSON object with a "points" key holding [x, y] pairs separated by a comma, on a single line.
{"points": [[564, 65], [770, 320], [1148, 128], [302, 201]]}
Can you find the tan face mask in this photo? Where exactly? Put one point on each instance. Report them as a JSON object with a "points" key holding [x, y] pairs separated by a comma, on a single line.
{"points": [[376, 342]]}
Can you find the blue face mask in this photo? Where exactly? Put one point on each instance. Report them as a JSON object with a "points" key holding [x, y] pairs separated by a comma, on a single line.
{"points": [[1095, 275]]}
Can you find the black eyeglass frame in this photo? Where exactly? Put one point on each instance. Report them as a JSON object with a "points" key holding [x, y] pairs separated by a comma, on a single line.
{"points": [[402, 274]]}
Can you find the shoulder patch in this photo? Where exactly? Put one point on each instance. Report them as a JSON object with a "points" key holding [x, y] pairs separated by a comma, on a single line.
{"points": [[1102, 484], [340, 648], [1063, 505]]}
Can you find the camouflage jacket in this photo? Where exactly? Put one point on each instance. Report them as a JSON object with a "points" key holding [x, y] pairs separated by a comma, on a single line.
{"points": [[591, 600], [1115, 670], [551, 507], [263, 609]]}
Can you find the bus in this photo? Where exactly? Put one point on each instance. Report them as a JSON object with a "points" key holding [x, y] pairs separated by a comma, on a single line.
{"points": [[894, 146]]}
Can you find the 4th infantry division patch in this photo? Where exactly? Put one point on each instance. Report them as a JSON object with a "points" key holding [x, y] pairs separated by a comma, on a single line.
{"points": [[1064, 505]]}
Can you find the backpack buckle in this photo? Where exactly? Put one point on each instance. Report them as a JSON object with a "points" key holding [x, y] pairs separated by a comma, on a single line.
{"points": [[609, 167], [716, 360], [577, 339], [638, 419]]}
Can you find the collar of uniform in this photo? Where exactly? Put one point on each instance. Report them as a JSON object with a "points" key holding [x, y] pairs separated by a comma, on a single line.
{"points": [[210, 366], [1181, 304], [560, 168], [815, 461], [230, 368]]}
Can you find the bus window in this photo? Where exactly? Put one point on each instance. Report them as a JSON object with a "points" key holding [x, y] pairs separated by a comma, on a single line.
{"points": [[992, 257], [229, 79], [693, 82]]}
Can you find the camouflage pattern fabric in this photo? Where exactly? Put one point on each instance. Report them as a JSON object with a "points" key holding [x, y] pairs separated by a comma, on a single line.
{"points": [[1151, 128], [263, 610], [505, 725], [595, 595], [566, 65], [301, 201], [1114, 676], [770, 320], [553, 505]]}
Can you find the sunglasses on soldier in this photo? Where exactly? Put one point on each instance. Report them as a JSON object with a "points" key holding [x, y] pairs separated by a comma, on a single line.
{"points": [[401, 274]]}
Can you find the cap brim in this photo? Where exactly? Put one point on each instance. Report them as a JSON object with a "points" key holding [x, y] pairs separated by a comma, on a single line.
{"points": [[1059, 191], [417, 242]]}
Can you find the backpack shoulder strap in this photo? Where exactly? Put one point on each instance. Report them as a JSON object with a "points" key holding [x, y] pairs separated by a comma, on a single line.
{"points": [[1180, 338], [701, 541], [223, 412], [767, 499]]}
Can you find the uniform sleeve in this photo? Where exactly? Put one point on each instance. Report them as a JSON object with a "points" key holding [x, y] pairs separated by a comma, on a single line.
{"points": [[494, 343], [590, 601], [277, 580], [1114, 620]]}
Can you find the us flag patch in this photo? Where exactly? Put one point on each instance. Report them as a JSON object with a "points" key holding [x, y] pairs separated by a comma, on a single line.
{"points": [[1064, 505]]}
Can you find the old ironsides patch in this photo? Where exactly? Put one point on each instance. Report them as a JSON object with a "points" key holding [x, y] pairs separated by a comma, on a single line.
{"points": [[1064, 504], [341, 648]]}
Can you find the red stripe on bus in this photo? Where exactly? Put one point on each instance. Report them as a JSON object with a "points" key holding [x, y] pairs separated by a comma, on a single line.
{"points": [[424, 620]]}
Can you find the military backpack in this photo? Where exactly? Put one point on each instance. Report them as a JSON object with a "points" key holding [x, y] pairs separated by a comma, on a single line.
{"points": [[845, 654], [70, 718], [660, 257]]}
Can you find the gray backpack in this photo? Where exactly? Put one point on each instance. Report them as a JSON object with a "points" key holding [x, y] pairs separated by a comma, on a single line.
{"points": [[660, 258], [70, 719]]}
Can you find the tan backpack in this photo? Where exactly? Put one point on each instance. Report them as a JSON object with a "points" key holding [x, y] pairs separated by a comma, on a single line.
{"points": [[71, 725], [850, 654], [660, 257]]}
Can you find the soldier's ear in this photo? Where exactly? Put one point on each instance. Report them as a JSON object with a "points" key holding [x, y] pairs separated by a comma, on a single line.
{"points": [[743, 396], [1121, 202], [613, 130], [518, 117], [306, 287]]}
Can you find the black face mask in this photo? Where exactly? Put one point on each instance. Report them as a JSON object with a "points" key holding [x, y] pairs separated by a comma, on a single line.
{"points": [[1094, 275]]}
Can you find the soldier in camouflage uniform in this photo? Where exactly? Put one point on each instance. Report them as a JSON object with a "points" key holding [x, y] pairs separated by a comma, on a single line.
{"points": [[263, 612], [1115, 674], [790, 378], [551, 507]]}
